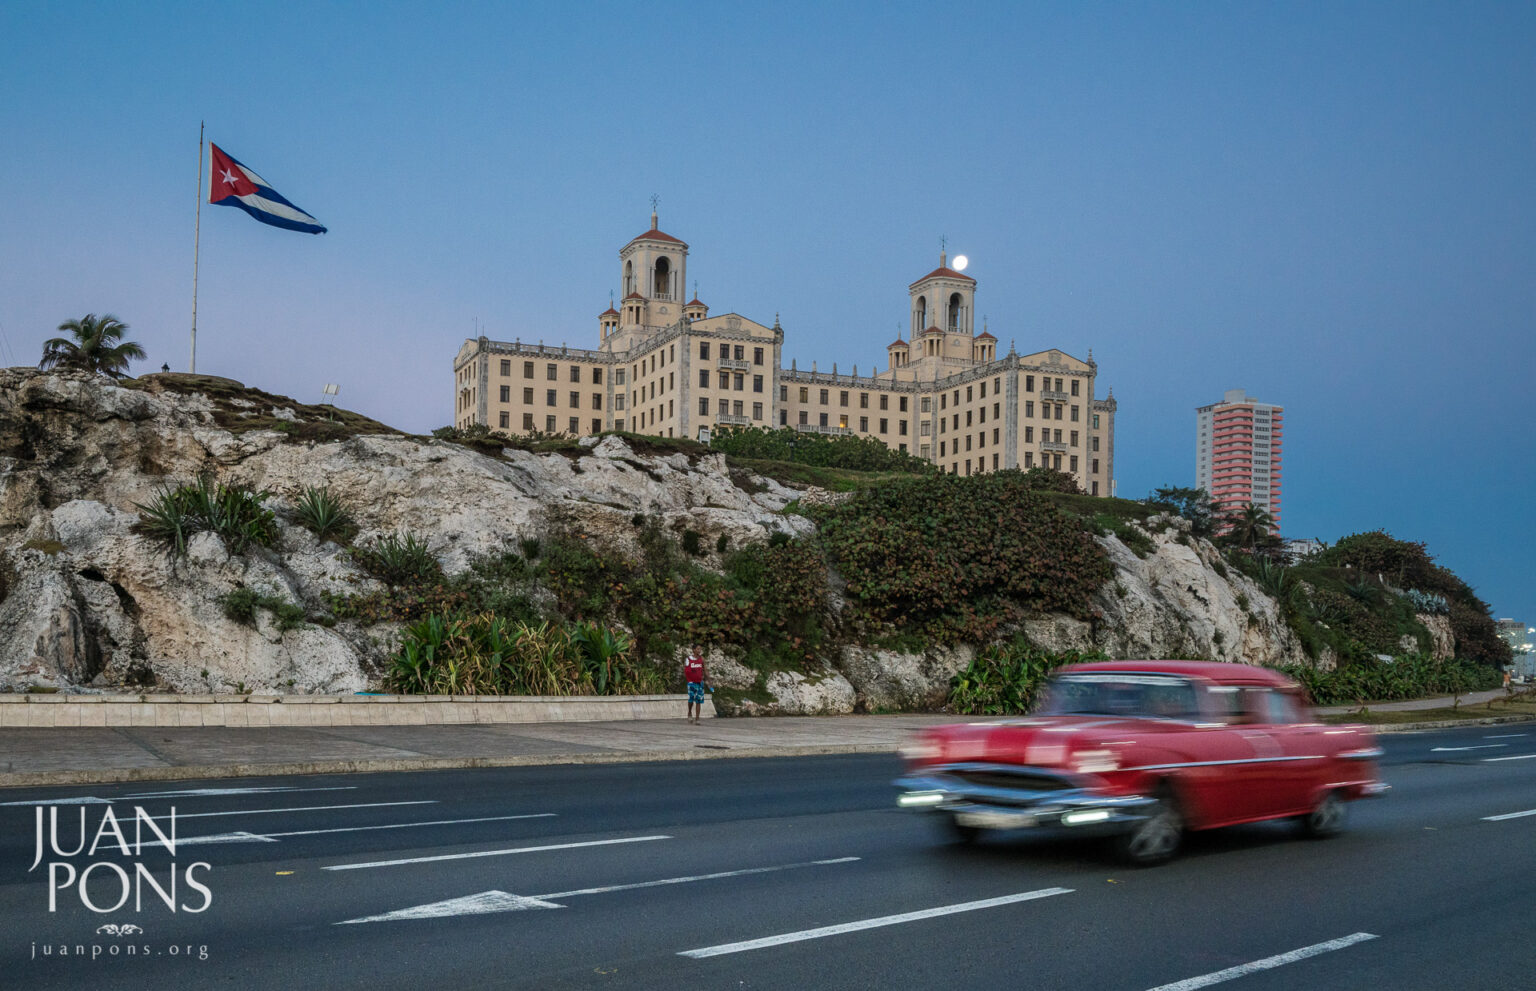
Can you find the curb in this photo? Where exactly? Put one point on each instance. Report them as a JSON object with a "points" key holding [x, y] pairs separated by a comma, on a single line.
{"points": [[188, 772]]}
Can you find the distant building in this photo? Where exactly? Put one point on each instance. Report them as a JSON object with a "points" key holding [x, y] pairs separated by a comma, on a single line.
{"points": [[1237, 453], [1522, 640], [668, 368], [1302, 548]]}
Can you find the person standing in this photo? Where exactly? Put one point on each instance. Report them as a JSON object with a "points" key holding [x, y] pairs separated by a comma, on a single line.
{"points": [[695, 674]]}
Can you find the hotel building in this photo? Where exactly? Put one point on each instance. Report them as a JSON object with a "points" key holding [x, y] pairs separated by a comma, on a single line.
{"points": [[1237, 453], [667, 367]]}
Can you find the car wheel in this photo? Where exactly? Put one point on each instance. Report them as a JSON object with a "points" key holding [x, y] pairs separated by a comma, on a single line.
{"points": [[1155, 838], [1326, 818], [958, 832]]}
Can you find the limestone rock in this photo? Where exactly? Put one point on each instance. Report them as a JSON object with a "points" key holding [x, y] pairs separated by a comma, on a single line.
{"points": [[885, 680]]}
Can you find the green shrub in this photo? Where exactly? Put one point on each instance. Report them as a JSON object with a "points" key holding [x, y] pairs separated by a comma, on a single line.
{"points": [[1005, 679], [692, 543], [1410, 677], [235, 512], [399, 559], [241, 604], [821, 450], [321, 512]]}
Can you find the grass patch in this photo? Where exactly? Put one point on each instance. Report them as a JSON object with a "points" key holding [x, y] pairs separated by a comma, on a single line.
{"points": [[317, 423], [801, 476], [241, 605]]}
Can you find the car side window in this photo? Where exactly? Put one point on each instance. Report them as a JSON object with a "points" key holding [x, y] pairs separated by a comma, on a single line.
{"points": [[1283, 709], [1223, 704]]}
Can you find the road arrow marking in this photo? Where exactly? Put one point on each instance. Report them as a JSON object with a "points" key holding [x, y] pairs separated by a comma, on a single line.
{"points": [[485, 903], [1483, 746], [1242, 970]]}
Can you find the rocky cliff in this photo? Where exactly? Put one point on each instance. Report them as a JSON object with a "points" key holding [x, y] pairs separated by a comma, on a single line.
{"points": [[85, 601]]}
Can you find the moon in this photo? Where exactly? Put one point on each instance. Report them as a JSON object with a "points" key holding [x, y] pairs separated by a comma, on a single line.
{"points": [[960, 262]]}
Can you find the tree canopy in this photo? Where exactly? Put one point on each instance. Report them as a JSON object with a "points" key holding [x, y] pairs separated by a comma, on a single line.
{"points": [[95, 345]]}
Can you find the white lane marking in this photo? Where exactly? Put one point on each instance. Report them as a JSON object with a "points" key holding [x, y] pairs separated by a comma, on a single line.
{"points": [[696, 877], [82, 800], [306, 808], [238, 837], [1481, 746], [487, 902], [1505, 736], [201, 792], [1515, 757], [490, 853], [1242, 970], [884, 920], [1510, 815]]}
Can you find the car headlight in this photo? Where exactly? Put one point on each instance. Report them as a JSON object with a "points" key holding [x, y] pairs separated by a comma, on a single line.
{"points": [[921, 751]]}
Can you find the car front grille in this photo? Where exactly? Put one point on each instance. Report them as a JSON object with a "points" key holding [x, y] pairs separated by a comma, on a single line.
{"points": [[1023, 780]]}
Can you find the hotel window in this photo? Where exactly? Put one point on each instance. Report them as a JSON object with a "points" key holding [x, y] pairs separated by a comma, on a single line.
{"points": [[736, 408], [942, 450], [575, 425], [1074, 438], [1096, 422], [1029, 383], [864, 424], [1059, 386], [618, 376], [757, 383], [883, 423], [741, 353], [901, 427], [927, 404], [597, 376], [805, 394], [822, 419], [803, 420], [740, 384], [943, 401], [527, 421], [903, 404], [703, 378], [969, 393], [1074, 462], [783, 417], [922, 451], [983, 390], [997, 410], [703, 350], [1058, 436], [1029, 459], [506, 393], [506, 419], [1029, 409], [528, 396], [1074, 409], [842, 398], [863, 400], [725, 380], [1029, 435], [618, 425], [885, 402], [783, 393], [703, 407], [994, 462], [824, 397], [597, 426], [967, 442], [757, 356], [757, 411], [575, 400], [1074, 387], [967, 418], [1095, 466], [549, 397], [552, 372], [983, 414], [597, 400], [725, 407], [506, 370], [576, 374], [618, 401], [527, 369], [549, 424], [1095, 488]]}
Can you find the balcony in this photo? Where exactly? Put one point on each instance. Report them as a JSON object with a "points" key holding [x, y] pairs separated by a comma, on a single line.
{"points": [[816, 428], [1051, 445], [1054, 396], [734, 364], [732, 419]]}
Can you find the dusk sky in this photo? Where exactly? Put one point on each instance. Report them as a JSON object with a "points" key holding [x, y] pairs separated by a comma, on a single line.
{"points": [[1330, 205]]}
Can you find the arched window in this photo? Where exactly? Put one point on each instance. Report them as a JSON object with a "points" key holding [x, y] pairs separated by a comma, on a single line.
{"points": [[629, 277], [922, 315], [954, 312], [661, 289]]}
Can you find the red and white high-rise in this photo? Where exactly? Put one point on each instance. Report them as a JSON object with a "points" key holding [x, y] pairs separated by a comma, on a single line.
{"points": [[1237, 453]]}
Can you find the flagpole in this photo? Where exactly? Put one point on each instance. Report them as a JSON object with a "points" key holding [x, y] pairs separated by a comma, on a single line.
{"points": [[197, 233]]}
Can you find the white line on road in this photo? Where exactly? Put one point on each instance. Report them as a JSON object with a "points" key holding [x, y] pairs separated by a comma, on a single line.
{"points": [[1481, 746], [696, 877], [211, 792], [487, 902], [490, 853], [884, 920], [1242, 970], [1505, 736], [1515, 757], [247, 837], [307, 808], [1510, 815]]}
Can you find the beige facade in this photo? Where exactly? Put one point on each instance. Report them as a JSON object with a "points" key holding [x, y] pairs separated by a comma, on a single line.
{"points": [[668, 368]]}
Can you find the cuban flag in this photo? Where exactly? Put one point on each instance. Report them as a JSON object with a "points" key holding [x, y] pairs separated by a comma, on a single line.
{"points": [[233, 184]]}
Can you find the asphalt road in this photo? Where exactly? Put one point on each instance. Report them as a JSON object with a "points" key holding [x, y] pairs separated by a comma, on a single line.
{"points": [[781, 873]]}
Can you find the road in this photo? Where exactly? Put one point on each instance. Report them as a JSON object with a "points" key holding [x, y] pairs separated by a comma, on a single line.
{"points": [[778, 873]]}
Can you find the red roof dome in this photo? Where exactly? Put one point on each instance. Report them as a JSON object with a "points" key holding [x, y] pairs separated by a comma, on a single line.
{"points": [[897, 343], [609, 312], [932, 330], [944, 273], [984, 336], [695, 301], [633, 295], [655, 235]]}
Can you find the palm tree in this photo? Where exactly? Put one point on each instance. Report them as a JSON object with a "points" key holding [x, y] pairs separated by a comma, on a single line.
{"points": [[1250, 526], [98, 346]]}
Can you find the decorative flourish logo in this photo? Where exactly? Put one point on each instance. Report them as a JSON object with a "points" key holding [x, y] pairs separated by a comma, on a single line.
{"points": [[126, 929]]}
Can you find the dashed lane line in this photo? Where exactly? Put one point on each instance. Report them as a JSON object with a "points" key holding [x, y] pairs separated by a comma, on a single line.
{"points": [[243, 836], [1510, 815], [305, 808], [488, 902], [510, 851], [1268, 963], [1511, 757], [862, 924]]}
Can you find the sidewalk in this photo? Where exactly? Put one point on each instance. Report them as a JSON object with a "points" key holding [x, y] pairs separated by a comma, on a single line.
{"points": [[1438, 702]]}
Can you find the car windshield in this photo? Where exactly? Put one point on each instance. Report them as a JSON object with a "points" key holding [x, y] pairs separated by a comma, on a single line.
{"points": [[1125, 695]]}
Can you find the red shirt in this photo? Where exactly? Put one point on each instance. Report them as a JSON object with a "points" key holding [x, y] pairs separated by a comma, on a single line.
{"points": [[693, 668]]}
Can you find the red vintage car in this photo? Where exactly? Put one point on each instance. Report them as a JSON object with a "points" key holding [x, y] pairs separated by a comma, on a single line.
{"points": [[1142, 751]]}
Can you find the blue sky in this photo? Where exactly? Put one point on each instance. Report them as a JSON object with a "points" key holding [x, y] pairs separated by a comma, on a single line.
{"points": [[1327, 204]]}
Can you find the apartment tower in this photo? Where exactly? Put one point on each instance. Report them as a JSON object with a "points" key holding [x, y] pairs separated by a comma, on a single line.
{"points": [[1237, 453]]}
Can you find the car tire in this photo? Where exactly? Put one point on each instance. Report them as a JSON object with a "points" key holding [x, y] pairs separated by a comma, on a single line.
{"points": [[958, 832], [1326, 818], [1156, 838]]}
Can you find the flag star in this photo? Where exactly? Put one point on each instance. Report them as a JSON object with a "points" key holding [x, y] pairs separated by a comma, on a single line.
{"points": [[229, 177]]}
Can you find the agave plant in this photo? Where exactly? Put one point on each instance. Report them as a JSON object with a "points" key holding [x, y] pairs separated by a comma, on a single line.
{"points": [[321, 511]]}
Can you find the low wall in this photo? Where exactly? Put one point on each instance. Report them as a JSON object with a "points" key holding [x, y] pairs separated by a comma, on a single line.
{"points": [[45, 710]]}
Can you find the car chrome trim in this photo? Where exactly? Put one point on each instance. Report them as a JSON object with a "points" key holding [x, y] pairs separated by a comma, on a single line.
{"points": [[1365, 753], [1219, 763]]}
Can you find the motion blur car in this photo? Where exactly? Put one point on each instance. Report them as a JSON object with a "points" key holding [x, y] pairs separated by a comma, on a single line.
{"points": [[1142, 751]]}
